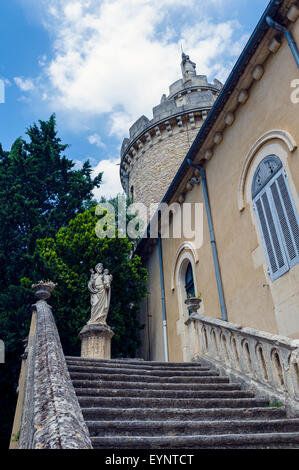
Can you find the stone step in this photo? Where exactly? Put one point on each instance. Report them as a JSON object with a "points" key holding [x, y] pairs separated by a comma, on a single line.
{"points": [[117, 365], [128, 402], [135, 404], [223, 441], [133, 361], [190, 428], [148, 372], [98, 392], [205, 378], [154, 386], [187, 414]]}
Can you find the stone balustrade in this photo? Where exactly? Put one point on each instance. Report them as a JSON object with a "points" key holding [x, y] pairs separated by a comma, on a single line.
{"points": [[48, 413], [265, 363]]}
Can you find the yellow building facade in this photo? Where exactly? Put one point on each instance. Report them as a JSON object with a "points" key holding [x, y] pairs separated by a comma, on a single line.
{"points": [[248, 150]]}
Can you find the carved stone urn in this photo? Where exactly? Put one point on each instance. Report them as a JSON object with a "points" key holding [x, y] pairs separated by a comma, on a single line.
{"points": [[193, 304], [43, 289]]}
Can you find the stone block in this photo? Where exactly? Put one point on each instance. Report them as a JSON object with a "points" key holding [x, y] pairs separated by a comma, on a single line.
{"points": [[96, 341]]}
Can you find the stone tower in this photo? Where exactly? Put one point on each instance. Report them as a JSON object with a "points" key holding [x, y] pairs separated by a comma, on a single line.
{"points": [[152, 155]]}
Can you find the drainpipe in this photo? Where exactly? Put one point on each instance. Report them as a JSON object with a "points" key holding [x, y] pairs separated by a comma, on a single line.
{"points": [[163, 299], [282, 29], [212, 240]]}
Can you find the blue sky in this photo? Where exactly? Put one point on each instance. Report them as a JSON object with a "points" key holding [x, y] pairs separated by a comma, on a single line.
{"points": [[100, 64]]}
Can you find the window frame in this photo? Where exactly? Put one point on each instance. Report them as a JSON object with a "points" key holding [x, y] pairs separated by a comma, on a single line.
{"points": [[283, 245], [189, 284]]}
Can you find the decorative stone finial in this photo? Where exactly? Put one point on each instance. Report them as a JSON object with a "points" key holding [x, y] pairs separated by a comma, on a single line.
{"points": [[43, 289], [193, 304]]}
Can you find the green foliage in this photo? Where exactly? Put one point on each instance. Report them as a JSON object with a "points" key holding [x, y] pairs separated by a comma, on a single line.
{"points": [[70, 255], [119, 203], [275, 404], [47, 231], [40, 192]]}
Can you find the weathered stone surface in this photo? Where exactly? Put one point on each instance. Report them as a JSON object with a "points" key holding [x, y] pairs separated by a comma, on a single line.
{"points": [[135, 404], [265, 363], [153, 172], [156, 148], [96, 341], [52, 418]]}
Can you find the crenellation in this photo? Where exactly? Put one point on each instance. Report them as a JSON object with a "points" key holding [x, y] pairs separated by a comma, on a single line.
{"points": [[192, 120], [149, 139], [204, 114], [140, 145], [156, 147], [158, 133], [168, 127], [180, 123]]}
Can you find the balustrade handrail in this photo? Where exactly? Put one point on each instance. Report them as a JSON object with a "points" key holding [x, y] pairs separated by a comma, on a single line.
{"points": [[269, 337], [266, 362]]}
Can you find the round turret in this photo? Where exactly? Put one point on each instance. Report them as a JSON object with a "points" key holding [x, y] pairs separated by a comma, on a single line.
{"points": [[152, 155]]}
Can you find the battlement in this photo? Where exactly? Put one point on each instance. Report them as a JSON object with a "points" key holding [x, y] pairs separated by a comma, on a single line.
{"points": [[198, 93], [165, 139]]}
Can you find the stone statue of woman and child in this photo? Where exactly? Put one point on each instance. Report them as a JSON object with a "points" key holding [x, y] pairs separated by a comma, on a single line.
{"points": [[96, 334], [100, 288]]}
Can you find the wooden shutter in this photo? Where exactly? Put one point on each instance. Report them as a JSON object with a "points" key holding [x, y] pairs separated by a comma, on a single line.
{"points": [[287, 216], [272, 240]]}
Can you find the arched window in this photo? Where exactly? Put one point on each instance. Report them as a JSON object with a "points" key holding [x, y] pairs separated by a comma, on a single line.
{"points": [[189, 281], [277, 216]]}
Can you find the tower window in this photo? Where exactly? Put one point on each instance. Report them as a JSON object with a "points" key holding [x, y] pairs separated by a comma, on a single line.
{"points": [[132, 193], [277, 216]]}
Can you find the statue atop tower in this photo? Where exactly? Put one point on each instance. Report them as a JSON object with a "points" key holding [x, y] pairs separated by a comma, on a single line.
{"points": [[154, 151], [188, 68]]}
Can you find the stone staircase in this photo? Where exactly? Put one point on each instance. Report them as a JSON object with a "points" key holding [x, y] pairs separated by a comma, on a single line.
{"points": [[134, 404]]}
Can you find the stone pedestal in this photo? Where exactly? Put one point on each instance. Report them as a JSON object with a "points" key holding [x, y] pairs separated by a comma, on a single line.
{"points": [[96, 341]]}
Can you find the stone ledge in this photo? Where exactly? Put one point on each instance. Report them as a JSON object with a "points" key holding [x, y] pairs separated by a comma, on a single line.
{"points": [[51, 417], [96, 329], [265, 363], [276, 340]]}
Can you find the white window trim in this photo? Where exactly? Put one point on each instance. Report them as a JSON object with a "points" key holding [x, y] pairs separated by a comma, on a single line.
{"points": [[183, 258], [184, 247], [275, 134]]}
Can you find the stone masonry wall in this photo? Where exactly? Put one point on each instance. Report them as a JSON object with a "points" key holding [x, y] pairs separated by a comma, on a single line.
{"points": [[154, 170]]}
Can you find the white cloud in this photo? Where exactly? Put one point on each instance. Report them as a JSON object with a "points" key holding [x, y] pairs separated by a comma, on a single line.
{"points": [[96, 139], [120, 122], [25, 84], [117, 57], [42, 61], [110, 181], [77, 164]]}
